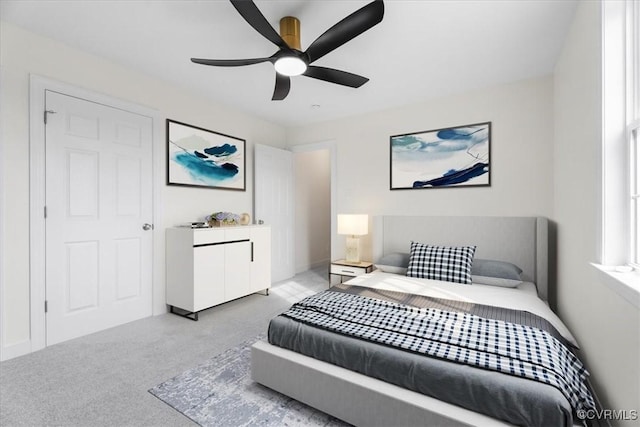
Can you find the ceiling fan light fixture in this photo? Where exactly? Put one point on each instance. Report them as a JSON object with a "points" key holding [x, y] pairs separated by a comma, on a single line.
{"points": [[290, 66], [290, 60]]}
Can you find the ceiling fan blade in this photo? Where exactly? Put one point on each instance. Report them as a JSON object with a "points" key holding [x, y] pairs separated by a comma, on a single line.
{"points": [[283, 84], [335, 76], [350, 27], [229, 62], [250, 12]]}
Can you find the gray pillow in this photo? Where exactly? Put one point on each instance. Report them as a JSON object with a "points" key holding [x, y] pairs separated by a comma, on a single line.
{"points": [[495, 273], [396, 262]]}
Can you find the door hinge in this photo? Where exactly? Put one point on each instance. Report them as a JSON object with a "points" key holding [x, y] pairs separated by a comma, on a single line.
{"points": [[46, 113], [45, 212], [46, 306]]}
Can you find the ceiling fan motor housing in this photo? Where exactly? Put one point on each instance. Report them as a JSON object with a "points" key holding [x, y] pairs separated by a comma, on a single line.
{"points": [[290, 32]]}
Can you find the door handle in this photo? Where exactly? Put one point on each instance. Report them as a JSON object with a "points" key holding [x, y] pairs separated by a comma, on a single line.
{"points": [[147, 227]]}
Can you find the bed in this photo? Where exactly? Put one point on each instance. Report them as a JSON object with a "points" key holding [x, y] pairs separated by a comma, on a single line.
{"points": [[316, 364]]}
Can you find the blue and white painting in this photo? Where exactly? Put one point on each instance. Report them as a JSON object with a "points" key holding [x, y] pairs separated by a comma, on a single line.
{"points": [[449, 157], [203, 158]]}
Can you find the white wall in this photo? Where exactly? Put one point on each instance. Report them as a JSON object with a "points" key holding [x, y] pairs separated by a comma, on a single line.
{"points": [[606, 325], [23, 53], [313, 208], [521, 155]]}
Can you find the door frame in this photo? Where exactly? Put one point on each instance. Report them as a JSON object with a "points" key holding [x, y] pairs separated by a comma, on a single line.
{"points": [[37, 195], [2, 193], [333, 162]]}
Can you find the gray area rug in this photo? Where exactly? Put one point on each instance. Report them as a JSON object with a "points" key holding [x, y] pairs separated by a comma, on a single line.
{"points": [[220, 392]]}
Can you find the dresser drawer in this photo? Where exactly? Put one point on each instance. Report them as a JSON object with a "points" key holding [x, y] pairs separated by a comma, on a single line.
{"points": [[347, 270], [208, 236]]}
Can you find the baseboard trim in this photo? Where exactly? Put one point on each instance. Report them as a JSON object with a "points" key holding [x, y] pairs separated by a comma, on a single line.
{"points": [[311, 266], [15, 350]]}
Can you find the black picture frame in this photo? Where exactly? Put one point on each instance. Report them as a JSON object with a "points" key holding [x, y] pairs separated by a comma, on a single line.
{"points": [[199, 157], [451, 157]]}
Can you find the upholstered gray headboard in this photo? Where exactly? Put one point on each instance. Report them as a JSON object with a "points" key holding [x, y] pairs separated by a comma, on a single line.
{"points": [[520, 240]]}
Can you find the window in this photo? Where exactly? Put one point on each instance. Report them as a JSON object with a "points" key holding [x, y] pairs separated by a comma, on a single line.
{"points": [[620, 167], [633, 123], [635, 196], [621, 128]]}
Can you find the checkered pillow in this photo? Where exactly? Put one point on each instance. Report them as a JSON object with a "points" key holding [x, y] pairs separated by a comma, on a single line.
{"points": [[451, 264]]}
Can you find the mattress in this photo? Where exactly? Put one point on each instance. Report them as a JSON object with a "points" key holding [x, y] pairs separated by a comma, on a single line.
{"points": [[523, 297], [515, 400]]}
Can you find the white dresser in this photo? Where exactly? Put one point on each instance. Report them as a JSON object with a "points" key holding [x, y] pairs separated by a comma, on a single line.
{"points": [[210, 266]]}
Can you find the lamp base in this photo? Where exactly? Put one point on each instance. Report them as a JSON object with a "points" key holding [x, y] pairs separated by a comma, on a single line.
{"points": [[353, 249]]}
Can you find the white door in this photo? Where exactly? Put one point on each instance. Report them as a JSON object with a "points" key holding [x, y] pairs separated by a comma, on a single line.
{"points": [[273, 177], [98, 198]]}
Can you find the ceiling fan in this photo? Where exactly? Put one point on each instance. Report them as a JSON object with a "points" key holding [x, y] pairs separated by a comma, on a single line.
{"points": [[289, 60]]}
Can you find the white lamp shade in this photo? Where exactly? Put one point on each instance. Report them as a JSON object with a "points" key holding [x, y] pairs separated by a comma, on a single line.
{"points": [[354, 225]]}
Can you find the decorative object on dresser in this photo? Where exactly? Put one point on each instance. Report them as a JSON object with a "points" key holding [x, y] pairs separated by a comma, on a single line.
{"points": [[207, 267], [223, 219], [353, 226], [198, 157], [245, 219], [448, 157], [344, 268], [196, 225]]}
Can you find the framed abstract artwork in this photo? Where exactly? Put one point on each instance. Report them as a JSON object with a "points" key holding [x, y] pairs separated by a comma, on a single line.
{"points": [[441, 158], [198, 157]]}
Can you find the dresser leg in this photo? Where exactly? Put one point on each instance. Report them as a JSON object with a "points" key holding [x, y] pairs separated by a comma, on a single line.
{"points": [[186, 315]]}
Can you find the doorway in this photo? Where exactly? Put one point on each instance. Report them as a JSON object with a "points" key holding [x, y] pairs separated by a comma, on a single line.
{"points": [[314, 216]]}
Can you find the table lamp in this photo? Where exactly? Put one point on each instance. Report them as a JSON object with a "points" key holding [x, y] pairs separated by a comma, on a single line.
{"points": [[353, 226]]}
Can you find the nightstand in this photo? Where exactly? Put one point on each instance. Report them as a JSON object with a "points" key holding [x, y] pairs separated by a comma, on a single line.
{"points": [[343, 268]]}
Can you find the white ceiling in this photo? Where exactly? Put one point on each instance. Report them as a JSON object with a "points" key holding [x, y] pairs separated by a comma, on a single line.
{"points": [[421, 50]]}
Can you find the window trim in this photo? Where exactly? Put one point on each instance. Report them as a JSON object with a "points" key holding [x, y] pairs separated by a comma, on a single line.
{"points": [[620, 58], [627, 285], [633, 139], [614, 202], [632, 116]]}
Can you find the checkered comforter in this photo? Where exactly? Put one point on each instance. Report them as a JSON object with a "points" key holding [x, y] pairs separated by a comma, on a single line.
{"points": [[490, 344]]}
